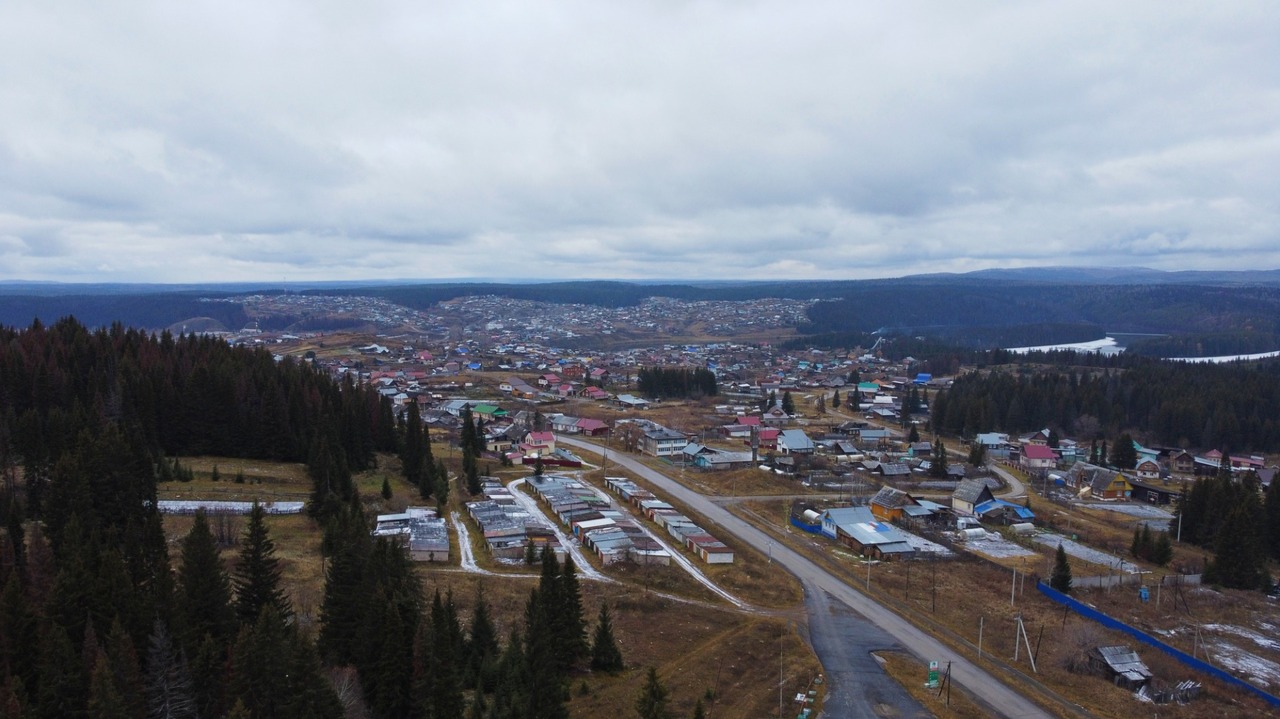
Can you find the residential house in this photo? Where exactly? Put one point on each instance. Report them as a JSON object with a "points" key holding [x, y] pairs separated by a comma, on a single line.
{"points": [[857, 528], [658, 441], [1001, 512], [593, 427], [1182, 462], [888, 504], [1038, 457], [795, 441], [969, 495], [1101, 482], [541, 440], [1147, 470]]}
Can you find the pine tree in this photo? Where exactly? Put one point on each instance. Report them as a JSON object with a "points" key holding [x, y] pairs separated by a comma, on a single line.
{"points": [[442, 483], [938, 460], [345, 598], [105, 701], [438, 684], [977, 454], [126, 670], [1162, 553], [257, 575], [412, 455], [545, 690], [64, 685], [605, 655], [204, 589], [1271, 518], [572, 623], [1123, 453], [19, 635], [1061, 577], [1239, 561], [698, 711], [654, 697], [482, 642]]}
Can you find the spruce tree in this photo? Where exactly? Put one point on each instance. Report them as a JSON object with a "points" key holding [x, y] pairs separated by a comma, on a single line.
{"points": [[1162, 553], [1271, 518], [257, 575], [126, 670], [605, 655], [835, 399], [654, 698], [204, 589], [64, 685], [1239, 560], [105, 701], [1123, 453], [19, 633], [482, 641], [386, 488], [1060, 579], [412, 455], [572, 624], [345, 589], [788, 404]]}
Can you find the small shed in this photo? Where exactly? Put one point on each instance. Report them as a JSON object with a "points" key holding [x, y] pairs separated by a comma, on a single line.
{"points": [[1121, 664]]}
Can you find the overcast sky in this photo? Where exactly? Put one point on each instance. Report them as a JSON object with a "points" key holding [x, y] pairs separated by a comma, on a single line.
{"points": [[227, 141]]}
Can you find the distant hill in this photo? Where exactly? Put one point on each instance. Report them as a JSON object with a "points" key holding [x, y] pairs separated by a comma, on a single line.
{"points": [[988, 308]]}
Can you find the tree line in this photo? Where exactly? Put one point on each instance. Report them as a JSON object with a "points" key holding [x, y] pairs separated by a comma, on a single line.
{"points": [[62, 386], [1173, 404], [676, 382]]}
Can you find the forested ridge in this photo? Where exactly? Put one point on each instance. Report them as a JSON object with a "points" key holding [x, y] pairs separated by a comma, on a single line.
{"points": [[99, 618], [1211, 313], [1167, 403]]}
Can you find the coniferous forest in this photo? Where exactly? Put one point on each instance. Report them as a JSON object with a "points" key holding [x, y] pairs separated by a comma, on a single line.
{"points": [[676, 382], [100, 618], [1173, 404]]}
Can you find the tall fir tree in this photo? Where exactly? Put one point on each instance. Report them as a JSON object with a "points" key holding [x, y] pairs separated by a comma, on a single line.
{"points": [[204, 589], [605, 655], [1239, 560], [413, 456], [654, 699], [1060, 579], [257, 574], [1271, 518]]}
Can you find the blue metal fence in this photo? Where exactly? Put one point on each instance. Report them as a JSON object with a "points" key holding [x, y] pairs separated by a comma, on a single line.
{"points": [[1113, 623]]}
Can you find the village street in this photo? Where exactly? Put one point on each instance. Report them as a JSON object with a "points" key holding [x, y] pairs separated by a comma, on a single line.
{"points": [[999, 698]]}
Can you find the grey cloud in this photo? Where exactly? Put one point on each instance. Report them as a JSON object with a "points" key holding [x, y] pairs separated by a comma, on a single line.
{"points": [[634, 139]]}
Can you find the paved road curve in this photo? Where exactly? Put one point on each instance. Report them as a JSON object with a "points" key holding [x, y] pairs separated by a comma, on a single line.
{"points": [[1000, 698]]}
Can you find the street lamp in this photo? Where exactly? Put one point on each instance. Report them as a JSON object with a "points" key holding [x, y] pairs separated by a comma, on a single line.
{"points": [[770, 551]]}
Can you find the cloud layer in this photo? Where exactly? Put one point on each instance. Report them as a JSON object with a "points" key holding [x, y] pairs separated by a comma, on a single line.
{"points": [[177, 142]]}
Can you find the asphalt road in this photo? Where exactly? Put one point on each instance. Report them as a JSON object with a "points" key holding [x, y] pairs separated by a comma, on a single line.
{"points": [[857, 685], [999, 698]]}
